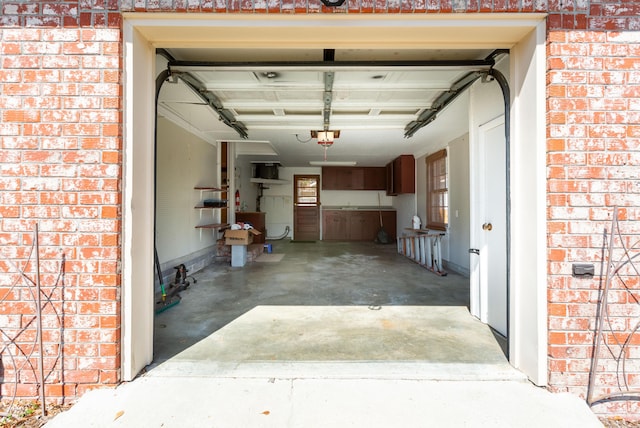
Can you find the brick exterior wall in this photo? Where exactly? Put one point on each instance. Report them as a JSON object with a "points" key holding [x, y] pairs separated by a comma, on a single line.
{"points": [[60, 166], [593, 158]]}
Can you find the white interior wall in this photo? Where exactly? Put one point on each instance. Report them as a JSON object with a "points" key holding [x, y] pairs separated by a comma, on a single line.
{"points": [[486, 102], [455, 244], [459, 212], [277, 200], [184, 162], [362, 198], [405, 205], [248, 190]]}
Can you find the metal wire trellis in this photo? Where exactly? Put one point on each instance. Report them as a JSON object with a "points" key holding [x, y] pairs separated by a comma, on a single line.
{"points": [[21, 326], [617, 344]]}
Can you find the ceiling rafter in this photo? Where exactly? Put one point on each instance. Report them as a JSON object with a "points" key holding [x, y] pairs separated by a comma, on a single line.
{"points": [[188, 72]]}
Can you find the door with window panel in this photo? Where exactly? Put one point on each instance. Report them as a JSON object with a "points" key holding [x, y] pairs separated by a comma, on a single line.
{"points": [[306, 207]]}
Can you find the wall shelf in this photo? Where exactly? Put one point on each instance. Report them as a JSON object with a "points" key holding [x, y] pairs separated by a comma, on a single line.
{"points": [[211, 189], [268, 181], [216, 222], [216, 226]]}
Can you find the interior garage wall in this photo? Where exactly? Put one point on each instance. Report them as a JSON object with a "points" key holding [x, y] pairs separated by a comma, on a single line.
{"points": [[277, 201], [486, 101], [459, 205], [244, 171], [455, 245], [184, 161], [363, 198]]}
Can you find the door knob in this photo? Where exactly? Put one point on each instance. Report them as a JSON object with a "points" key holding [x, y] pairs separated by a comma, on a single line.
{"points": [[487, 226]]}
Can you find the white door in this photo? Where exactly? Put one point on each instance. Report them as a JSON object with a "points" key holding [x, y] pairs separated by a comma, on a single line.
{"points": [[489, 227]]}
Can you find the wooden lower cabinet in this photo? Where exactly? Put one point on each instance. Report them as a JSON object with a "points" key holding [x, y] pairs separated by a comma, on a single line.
{"points": [[334, 225], [360, 226], [356, 225]]}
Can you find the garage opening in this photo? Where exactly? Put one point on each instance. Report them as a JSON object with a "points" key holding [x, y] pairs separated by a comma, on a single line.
{"points": [[405, 206], [379, 107]]}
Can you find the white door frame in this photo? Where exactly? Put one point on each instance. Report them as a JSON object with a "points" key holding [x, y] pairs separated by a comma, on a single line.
{"points": [[138, 176], [528, 200], [524, 34]]}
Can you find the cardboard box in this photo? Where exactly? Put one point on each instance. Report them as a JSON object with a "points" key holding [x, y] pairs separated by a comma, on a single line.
{"points": [[240, 237]]}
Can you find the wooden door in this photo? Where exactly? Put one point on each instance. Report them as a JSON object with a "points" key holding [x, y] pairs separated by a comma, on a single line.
{"points": [[306, 207]]}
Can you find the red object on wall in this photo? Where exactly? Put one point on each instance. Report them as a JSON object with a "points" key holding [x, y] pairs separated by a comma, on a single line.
{"points": [[237, 200]]}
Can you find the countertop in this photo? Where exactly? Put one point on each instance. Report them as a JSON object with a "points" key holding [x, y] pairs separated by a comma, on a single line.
{"points": [[356, 208]]}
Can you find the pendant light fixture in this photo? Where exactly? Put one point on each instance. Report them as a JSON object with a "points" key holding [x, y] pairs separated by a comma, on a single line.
{"points": [[325, 138]]}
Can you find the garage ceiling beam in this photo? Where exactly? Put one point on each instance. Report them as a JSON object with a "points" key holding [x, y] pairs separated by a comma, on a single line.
{"points": [[189, 66], [329, 66], [327, 98]]}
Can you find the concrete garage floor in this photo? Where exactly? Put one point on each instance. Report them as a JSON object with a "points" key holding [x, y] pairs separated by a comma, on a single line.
{"points": [[325, 301], [333, 335]]}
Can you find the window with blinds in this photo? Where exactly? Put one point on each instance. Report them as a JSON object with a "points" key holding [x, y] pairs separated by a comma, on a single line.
{"points": [[437, 191]]}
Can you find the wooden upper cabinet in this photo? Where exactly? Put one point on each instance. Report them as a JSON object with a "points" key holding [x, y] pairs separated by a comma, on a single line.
{"points": [[401, 174], [335, 178], [353, 178], [375, 178], [389, 179]]}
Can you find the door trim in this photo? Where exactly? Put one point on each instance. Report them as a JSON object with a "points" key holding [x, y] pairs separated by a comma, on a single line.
{"points": [[524, 34], [137, 304]]}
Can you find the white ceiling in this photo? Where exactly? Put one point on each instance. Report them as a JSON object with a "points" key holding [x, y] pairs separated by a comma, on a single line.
{"points": [[279, 97]]}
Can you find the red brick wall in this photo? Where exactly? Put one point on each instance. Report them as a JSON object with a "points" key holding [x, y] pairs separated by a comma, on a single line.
{"points": [[60, 162], [60, 81], [593, 155]]}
